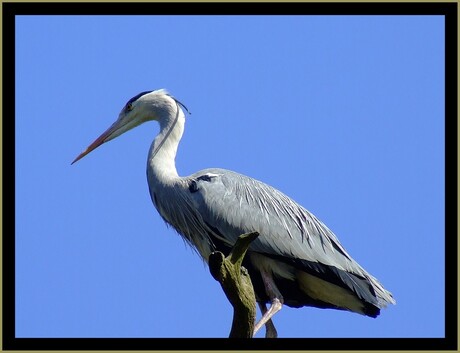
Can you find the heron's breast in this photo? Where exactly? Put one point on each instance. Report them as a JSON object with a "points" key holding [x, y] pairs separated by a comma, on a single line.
{"points": [[177, 210]]}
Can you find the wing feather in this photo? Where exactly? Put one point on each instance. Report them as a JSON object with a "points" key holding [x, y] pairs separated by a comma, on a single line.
{"points": [[236, 204]]}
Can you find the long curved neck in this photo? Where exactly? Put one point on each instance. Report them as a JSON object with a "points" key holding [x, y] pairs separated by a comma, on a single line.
{"points": [[161, 160]]}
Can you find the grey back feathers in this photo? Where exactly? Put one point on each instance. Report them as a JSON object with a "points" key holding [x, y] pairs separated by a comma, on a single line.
{"points": [[217, 205]]}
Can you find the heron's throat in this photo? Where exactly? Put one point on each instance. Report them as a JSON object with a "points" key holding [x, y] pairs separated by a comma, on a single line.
{"points": [[162, 154]]}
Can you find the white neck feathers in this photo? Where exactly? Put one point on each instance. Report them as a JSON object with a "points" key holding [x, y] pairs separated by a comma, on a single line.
{"points": [[161, 160]]}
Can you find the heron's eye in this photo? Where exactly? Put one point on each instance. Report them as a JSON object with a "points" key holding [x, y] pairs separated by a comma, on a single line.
{"points": [[129, 107]]}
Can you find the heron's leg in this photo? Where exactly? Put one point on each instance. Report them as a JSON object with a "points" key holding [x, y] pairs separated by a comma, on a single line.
{"points": [[275, 297], [270, 330]]}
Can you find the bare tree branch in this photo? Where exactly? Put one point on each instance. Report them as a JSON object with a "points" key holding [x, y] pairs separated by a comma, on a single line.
{"points": [[237, 285]]}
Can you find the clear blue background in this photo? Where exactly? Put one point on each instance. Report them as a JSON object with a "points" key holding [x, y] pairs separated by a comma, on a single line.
{"points": [[345, 114]]}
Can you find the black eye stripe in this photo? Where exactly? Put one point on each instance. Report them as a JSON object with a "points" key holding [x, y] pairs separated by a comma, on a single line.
{"points": [[129, 104], [135, 98]]}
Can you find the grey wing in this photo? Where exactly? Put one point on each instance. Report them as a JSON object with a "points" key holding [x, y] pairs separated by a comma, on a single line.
{"points": [[235, 204]]}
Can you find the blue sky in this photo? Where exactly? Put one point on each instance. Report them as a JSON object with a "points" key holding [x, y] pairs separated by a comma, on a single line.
{"points": [[345, 114]]}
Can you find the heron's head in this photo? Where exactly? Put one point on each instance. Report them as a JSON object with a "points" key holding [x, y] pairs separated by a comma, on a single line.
{"points": [[148, 105]]}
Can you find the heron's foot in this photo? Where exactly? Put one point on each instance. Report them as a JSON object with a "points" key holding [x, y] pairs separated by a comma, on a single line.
{"points": [[270, 330], [274, 308], [276, 304]]}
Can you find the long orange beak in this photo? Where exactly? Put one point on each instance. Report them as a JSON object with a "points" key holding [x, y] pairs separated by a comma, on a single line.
{"points": [[99, 141]]}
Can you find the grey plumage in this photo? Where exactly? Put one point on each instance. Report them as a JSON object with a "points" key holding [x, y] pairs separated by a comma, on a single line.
{"points": [[221, 204], [296, 259]]}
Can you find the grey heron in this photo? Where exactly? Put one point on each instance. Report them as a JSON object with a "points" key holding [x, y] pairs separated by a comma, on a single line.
{"points": [[296, 260]]}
